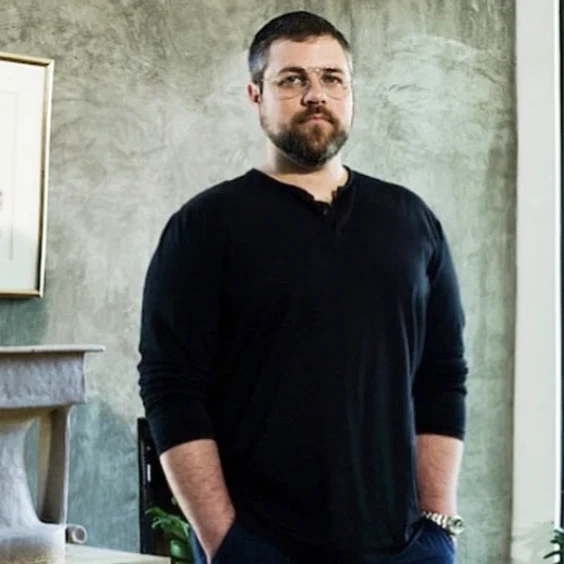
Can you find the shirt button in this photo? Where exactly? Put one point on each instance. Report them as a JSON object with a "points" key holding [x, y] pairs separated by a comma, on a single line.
{"points": [[325, 211]]}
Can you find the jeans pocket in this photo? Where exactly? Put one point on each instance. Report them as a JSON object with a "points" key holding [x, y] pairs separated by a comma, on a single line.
{"points": [[440, 533], [242, 546], [411, 545]]}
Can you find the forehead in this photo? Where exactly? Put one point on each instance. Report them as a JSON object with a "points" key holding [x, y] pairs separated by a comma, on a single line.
{"points": [[314, 52]]}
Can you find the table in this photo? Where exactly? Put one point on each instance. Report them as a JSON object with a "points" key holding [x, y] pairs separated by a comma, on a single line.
{"points": [[81, 554]]}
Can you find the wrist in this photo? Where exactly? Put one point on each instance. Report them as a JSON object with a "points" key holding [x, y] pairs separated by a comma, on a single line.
{"points": [[452, 524], [446, 505], [214, 536]]}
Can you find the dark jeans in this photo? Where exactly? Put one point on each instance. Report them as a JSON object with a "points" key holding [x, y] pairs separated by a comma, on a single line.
{"points": [[429, 545]]}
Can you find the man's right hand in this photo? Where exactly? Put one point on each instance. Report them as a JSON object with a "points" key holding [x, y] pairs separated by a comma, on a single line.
{"points": [[194, 474]]}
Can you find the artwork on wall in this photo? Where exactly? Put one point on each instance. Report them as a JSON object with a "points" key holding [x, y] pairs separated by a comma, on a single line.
{"points": [[26, 85]]}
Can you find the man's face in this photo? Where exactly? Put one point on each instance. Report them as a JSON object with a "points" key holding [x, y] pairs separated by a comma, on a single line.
{"points": [[306, 105]]}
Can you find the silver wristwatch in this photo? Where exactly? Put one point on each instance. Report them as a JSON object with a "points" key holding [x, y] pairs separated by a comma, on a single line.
{"points": [[452, 524]]}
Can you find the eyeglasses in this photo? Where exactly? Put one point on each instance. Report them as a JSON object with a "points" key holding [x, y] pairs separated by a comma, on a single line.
{"points": [[296, 82]]}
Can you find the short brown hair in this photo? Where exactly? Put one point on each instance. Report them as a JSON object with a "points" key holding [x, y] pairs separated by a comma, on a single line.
{"points": [[295, 26]]}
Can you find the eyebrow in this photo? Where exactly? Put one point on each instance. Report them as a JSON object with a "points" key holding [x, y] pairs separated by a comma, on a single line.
{"points": [[302, 69]]}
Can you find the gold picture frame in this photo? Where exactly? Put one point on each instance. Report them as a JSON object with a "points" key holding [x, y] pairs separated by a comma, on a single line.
{"points": [[26, 91]]}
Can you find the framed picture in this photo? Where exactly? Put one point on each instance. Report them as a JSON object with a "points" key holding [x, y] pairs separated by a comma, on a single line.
{"points": [[26, 85]]}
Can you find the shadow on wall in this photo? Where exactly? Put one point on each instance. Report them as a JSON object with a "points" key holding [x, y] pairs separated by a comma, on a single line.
{"points": [[103, 485], [23, 321]]}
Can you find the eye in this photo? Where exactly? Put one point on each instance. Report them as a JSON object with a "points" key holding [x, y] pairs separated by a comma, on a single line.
{"points": [[291, 80], [332, 79]]}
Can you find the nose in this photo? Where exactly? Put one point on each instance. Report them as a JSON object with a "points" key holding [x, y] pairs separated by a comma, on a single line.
{"points": [[315, 93]]}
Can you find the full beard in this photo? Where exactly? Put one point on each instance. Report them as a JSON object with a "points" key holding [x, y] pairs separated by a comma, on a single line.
{"points": [[310, 146]]}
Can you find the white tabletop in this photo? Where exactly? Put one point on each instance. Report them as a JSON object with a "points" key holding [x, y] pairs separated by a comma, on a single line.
{"points": [[81, 554]]}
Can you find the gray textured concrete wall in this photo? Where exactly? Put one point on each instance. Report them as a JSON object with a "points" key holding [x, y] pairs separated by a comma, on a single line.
{"points": [[150, 108]]}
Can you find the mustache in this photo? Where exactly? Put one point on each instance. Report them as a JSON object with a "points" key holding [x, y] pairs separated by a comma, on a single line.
{"points": [[312, 111]]}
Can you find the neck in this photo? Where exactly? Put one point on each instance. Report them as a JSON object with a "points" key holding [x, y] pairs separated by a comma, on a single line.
{"points": [[320, 181]]}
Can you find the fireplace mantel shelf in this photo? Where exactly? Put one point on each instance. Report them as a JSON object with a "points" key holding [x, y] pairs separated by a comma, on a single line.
{"points": [[52, 349]]}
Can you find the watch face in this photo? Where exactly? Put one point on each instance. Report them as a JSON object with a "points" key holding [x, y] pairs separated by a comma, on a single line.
{"points": [[456, 525]]}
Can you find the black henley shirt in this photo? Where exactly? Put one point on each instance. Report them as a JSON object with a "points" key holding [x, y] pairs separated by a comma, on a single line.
{"points": [[312, 342]]}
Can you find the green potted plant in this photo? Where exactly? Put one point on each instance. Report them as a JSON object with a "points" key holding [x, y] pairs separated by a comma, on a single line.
{"points": [[177, 533], [558, 540]]}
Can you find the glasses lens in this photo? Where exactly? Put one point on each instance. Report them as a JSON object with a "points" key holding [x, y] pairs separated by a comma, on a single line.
{"points": [[289, 88], [337, 91]]}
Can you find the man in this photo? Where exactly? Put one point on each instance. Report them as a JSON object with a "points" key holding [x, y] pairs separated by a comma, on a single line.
{"points": [[302, 361]]}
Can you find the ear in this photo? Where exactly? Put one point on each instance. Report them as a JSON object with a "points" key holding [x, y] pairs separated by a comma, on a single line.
{"points": [[254, 93]]}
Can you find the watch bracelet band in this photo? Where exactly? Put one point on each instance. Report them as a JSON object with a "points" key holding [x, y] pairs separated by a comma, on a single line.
{"points": [[441, 520]]}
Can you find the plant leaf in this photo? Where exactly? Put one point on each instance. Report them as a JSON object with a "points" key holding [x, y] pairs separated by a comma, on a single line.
{"points": [[179, 549], [172, 525]]}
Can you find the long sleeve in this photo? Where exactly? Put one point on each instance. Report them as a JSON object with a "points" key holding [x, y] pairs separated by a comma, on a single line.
{"points": [[179, 327], [440, 383]]}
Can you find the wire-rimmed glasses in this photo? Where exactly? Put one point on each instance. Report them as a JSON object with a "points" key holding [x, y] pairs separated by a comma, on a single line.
{"points": [[296, 81]]}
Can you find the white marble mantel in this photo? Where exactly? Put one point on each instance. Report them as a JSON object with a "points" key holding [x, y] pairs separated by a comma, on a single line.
{"points": [[37, 382], [52, 348], [43, 375]]}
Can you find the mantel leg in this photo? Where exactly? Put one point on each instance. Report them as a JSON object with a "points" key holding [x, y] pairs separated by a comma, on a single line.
{"points": [[52, 485], [23, 537]]}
